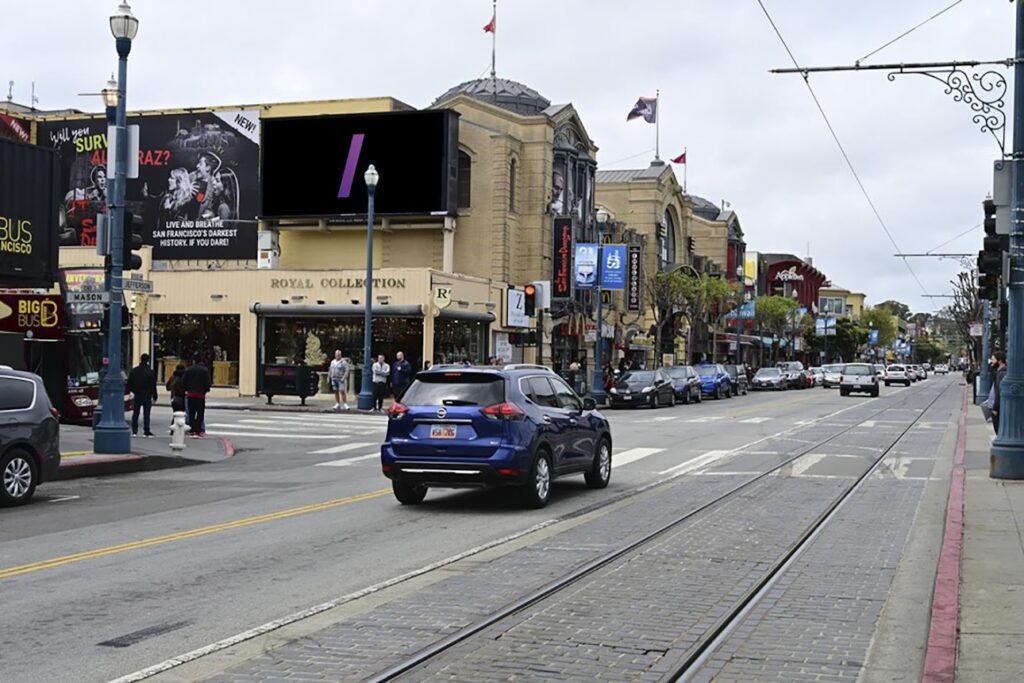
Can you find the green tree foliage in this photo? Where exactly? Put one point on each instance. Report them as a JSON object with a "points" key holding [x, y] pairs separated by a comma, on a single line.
{"points": [[695, 296], [900, 310], [882, 320]]}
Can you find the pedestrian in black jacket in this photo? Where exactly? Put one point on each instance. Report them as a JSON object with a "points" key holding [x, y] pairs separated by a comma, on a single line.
{"points": [[998, 373], [142, 384], [197, 383]]}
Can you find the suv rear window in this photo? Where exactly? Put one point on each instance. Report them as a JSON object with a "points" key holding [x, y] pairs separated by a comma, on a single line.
{"points": [[16, 394], [858, 370], [455, 389], [896, 368]]}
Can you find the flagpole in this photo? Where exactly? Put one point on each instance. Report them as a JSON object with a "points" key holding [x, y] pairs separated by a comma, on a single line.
{"points": [[494, 36], [657, 125], [686, 168]]}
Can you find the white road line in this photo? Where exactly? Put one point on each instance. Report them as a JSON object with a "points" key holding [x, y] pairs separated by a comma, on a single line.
{"points": [[345, 462], [320, 424], [707, 418], [291, 428], [342, 448], [663, 418], [63, 499], [699, 461], [632, 455], [271, 435], [755, 420]]}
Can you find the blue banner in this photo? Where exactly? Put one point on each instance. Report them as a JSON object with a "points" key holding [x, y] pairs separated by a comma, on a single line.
{"points": [[613, 270], [873, 338], [585, 266]]}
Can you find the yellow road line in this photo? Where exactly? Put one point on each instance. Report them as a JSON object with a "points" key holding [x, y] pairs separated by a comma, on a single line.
{"points": [[75, 454], [183, 535]]}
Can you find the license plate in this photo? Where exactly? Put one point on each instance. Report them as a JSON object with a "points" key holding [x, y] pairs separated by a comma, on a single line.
{"points": [[627, 398], [442, 431], [856, 386]]}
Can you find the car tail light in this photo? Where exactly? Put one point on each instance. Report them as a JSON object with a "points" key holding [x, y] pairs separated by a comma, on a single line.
{"points": [[55, 412], [508, 471], [397, 410], [504, 411], [386, 469]]}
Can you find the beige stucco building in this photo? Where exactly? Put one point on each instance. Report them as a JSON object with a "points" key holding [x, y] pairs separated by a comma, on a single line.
{"points": [[840, 302]]}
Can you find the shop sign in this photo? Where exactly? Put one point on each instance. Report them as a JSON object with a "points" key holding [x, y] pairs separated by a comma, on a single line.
{"points": [[14, 128], [613, 267], [84, 315], [515, 308], [502, 346], [977, 329], [442, 297], [28, 215], [750, 267], [33, 315], [197, 186], [590, 333], [336, 283], [789, 275], [641, 342], [634, 291], [561, 259], [585, 266]]}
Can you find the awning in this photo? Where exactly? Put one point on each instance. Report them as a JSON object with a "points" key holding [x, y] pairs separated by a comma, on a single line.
{"points": [[335, 310], [449, 314]]}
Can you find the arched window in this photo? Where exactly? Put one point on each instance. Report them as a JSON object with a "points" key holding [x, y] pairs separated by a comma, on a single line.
{"points": [[513, 168], [667, 241], [465, 180]]}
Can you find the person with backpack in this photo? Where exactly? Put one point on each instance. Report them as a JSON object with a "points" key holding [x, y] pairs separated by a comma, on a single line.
{"points": [[197, 383], [176, 388]]}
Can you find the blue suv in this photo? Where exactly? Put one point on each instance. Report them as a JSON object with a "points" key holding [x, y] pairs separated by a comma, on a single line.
{"points": [[521, 425]]}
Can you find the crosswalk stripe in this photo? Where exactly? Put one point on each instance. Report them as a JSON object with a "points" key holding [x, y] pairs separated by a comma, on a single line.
{"points": [[707, 418], [345, 462], [272, 435], [256, 430], [755, 420], [305, 421], [695, 463], [342, 448], [633, 454]]}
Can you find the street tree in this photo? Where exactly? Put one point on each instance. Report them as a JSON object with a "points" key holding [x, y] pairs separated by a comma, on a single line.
{"points": [[881, 318], [898, 309], [966, 309], [773, 314]]}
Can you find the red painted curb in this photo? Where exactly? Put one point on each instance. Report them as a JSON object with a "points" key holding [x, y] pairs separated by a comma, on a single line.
{"points": [[940, 657], [229, 447]]}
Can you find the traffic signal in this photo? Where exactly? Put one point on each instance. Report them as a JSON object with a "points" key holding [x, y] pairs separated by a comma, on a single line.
{"points": [[132, 240], [988, 286], [531, 299]]}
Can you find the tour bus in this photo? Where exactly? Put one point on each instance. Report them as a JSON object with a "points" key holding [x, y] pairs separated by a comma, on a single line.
{"points": [[62, 343]]}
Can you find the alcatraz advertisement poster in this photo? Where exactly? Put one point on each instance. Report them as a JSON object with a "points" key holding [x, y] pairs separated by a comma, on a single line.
{"points": [[197, 187]]}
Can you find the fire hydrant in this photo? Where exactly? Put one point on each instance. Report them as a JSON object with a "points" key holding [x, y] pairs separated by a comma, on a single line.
{"points": [[178, 432]]}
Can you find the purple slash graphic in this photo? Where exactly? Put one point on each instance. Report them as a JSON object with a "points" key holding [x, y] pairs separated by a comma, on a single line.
{"points": [[350, 166]]}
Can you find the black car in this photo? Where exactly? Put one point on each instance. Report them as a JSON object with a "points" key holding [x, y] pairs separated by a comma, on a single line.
{"points": [[740, 383], [642, 388], [685, 383], [796, 376], [29, 436]]}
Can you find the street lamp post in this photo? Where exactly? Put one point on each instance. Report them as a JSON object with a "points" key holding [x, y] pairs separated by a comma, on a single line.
{"points": [[111, 432], [740, 325], [365, 400], [1008, 448], [792, 337], [597, 388]]}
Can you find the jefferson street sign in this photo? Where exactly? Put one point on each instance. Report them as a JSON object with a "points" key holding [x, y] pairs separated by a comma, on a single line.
{"points": [[137, 285]]}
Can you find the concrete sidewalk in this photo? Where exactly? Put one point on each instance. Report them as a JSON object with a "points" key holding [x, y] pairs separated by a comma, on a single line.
{"points": [[991, 615], [79, 460]]}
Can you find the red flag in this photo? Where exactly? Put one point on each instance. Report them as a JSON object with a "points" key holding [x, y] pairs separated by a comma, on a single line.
{"points": [[492, 25], [681, 159]]}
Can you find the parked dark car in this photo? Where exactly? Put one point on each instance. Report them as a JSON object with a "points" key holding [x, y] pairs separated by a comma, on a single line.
{"points": [[715, 381], [738, 379], [642, 388], [769, 378], [795, 374], [29, 436], [520, 425], [685, 383]]}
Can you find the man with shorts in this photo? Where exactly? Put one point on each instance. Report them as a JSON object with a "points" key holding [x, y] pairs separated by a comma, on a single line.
{"points": [[338, 375]]}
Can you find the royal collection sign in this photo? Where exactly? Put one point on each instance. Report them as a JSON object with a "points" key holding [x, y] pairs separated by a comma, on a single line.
{"points": [[336, 283]]}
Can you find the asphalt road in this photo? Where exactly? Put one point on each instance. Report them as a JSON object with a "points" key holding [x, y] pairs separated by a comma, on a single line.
{"points": [[140, 568]]}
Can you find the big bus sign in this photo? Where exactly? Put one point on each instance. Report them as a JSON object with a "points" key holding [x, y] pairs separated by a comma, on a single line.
{"points": [[28, 215], [39, 316]]}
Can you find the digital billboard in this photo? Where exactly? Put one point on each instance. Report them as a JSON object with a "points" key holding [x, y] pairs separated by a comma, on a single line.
{"points": [[28, 215], [197, 187], [313, 166]]}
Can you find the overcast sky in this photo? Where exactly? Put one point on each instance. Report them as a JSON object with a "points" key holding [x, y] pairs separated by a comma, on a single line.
{"points": [[753, 139]]}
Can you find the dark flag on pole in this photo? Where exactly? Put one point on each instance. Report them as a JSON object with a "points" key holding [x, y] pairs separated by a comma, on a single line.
{"points": [[681, 159], [647, 107], [492, 25]]}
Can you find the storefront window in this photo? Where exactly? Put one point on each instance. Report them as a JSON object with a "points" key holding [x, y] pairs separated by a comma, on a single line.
{"points": [[214, 338], [458, 340]]}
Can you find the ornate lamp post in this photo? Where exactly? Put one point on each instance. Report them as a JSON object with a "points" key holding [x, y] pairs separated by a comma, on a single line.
{"points": [[111, 431], [365, 401], [597, 388]]}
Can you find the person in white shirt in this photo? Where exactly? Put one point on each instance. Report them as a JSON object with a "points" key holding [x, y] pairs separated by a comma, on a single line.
{"points": [[381, 371], [338, 374]]}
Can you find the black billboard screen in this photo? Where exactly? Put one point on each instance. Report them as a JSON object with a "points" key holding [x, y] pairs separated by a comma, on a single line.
{"points": [[313, 166], [196, 190], [29, 215]]}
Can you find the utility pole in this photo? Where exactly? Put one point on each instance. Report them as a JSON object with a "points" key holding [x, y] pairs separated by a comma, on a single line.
{"points": [[1007, 461]]}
